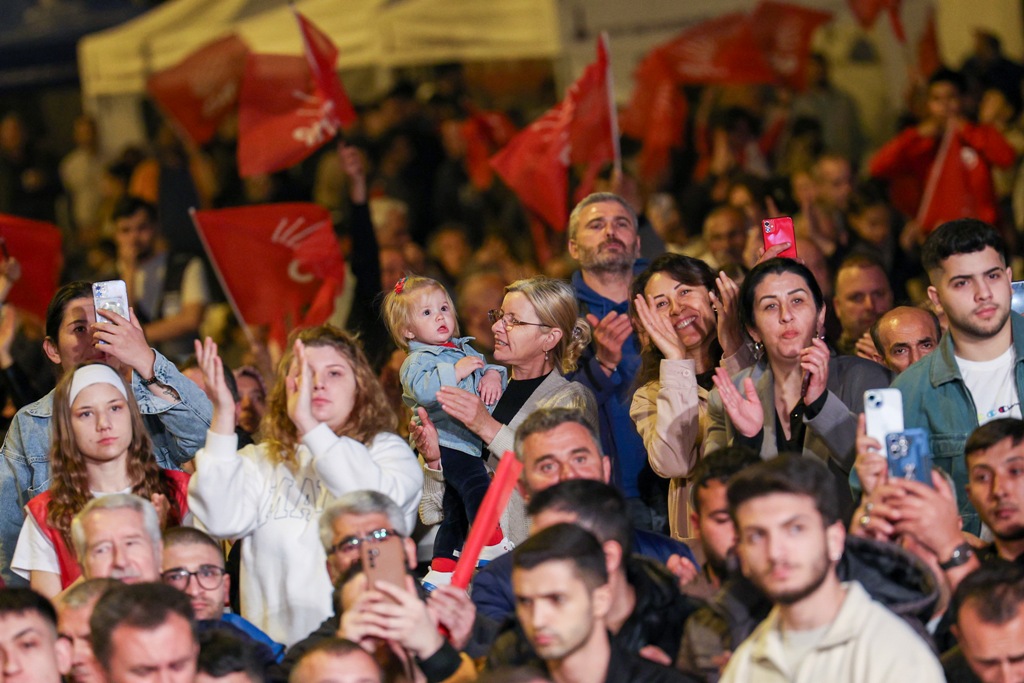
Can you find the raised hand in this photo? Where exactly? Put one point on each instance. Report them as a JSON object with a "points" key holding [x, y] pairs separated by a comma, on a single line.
{"points": [[299, 388], [726, 302], [452, 608], [216, 388], [744, 410], [125, 341], [468, 409], [424, 436], [659, 328], [610, 333], [871, 465], [866, 349], [814, 360], [464, 367]]}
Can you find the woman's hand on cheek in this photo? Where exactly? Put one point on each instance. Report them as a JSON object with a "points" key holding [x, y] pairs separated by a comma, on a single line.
{"points": [[814, 361], [299, 387], [659, 329]]}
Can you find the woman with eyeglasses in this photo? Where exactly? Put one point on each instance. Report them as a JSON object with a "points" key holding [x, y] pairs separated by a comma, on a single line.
{"points": [[539, 336], [100, 446], [328, 430]]}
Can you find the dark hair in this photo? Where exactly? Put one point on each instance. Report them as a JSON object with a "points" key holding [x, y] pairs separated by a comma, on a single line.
{"points": [[989, 434], [719, 466], [334, 647], [859, 260], [144, 606], [867, 194], [876, 328], [685, 270], [775, 266], [187, 535], [129, 205], [599, 508], [947, 75], [22, 600], [962, 236], [79, 289], [222, 653], [543, 420], [788, 473], [995, 591], [564, 543]]}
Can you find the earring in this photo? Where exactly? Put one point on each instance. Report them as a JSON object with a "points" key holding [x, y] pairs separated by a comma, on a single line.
{"points": [[546, 354], [758, 349]]}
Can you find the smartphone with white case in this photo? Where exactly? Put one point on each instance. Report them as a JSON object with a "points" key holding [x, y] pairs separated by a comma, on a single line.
{"points": [[883, 412], [111, 295]]}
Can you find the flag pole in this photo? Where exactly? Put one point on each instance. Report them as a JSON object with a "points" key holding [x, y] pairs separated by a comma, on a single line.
{"points": [[250, 337], [613, 112], [934, 172]]}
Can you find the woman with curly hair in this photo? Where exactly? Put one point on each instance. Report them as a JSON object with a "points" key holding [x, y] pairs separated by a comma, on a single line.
{"points": [[100, 446], [328, 430]]}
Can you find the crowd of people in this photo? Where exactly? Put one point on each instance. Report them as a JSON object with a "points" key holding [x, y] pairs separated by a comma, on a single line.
{"points": [[699, 498]]}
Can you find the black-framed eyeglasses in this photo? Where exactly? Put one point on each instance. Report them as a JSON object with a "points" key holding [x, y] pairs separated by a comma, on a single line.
{"points": [[208, 577], [496, 314], [350, 544]]}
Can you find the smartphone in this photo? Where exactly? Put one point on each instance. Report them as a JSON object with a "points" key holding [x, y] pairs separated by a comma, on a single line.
{"points": [[883, 412], [777, 230], [910, 455], [1017, 297], [111, 295], [384, 560]]}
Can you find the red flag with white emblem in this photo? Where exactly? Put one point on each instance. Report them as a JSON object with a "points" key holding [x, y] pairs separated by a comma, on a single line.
{"points": [[280, 264], [37, 247]]}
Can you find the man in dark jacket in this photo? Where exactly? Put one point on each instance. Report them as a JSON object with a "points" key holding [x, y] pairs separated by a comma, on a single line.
{"points": [[647, 610]]}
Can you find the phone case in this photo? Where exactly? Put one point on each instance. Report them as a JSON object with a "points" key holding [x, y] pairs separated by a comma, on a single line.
{"points": [[384, 561], [777, 230], [910, 455], [883, 412], [111, 295]]}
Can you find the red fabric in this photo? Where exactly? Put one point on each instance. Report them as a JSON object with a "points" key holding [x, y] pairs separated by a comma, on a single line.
{"points": [[484, 132], [783, 33], [907, 162], [39, 507], [202, 89], [866, 11], [720, 50], [290, 106], [656, 114], [535, 163], [280, 264], [37, 247], [928, 59]]}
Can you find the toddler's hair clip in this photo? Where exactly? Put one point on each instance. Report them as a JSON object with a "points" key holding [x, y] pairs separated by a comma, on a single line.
{"points": [[399, 286]]}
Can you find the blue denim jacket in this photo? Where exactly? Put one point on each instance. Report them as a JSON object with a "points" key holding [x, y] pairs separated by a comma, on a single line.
{"points": [[936, 398], [427, 369], [178, 430]]}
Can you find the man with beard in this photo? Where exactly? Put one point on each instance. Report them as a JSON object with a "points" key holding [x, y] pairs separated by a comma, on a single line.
{"points": [[603, 239], [790, 539], [862, 296], [977, 372], [562, 603], [169, 291]]}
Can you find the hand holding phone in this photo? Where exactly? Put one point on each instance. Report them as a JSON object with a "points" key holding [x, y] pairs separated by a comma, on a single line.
{"points": [[778, 230], [383, 559]]}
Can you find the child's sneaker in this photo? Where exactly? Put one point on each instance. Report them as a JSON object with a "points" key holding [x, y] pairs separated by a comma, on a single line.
{"points": [[434, 578], [493, 552]]}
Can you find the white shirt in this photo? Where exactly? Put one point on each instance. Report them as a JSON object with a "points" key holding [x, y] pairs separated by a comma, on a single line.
{"points": [[993, 386]]}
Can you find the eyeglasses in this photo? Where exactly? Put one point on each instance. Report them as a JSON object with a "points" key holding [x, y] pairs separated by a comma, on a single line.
{"points": [[207, 576], [350, 544], [496, 314]]}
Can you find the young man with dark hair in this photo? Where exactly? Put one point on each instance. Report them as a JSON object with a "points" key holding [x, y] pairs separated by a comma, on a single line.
{"points": [[74, 608], [988, 610], [562, 600], [790, 540], [906, 161], [862, 295], [228, 658], [336, 659], [146, 627], [977, 372], [30, 650]]}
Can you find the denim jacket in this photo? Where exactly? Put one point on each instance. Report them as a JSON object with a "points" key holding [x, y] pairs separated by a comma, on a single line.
{"points": [[936, 398], [178, 430], [428, 368]]}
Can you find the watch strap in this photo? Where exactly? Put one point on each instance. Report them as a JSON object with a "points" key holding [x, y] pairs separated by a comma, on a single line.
{"points": [[962, 554]]}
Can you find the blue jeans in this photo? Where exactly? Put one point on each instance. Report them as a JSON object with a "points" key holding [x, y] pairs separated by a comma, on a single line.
{"points": [[466, 480]]}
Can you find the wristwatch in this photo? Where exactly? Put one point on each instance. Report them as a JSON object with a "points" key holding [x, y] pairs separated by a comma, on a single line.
{"points": [[962, 554]]}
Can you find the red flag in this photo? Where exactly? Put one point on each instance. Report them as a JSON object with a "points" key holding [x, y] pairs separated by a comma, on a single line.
{"points": [[280, 264], [322, 56], [202, 89], [37, 247], [783, 32], [948, 195], [928, 59], [290, 106], [579, 129], [484, 132], [719, 50], [656, 114]]}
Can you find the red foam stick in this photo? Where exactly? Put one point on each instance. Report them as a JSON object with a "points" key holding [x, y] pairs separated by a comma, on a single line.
{"points": [[487, 516]]}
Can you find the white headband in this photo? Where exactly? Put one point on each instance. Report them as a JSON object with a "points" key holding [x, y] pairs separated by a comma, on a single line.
{"points": [[94, 374]]}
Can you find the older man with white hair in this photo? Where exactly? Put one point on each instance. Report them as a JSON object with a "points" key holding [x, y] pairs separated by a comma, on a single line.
{"points": [[118, 537]]}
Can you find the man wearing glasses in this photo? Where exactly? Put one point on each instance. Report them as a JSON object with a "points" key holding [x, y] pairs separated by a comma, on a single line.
{"points": [[194, 564]]}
